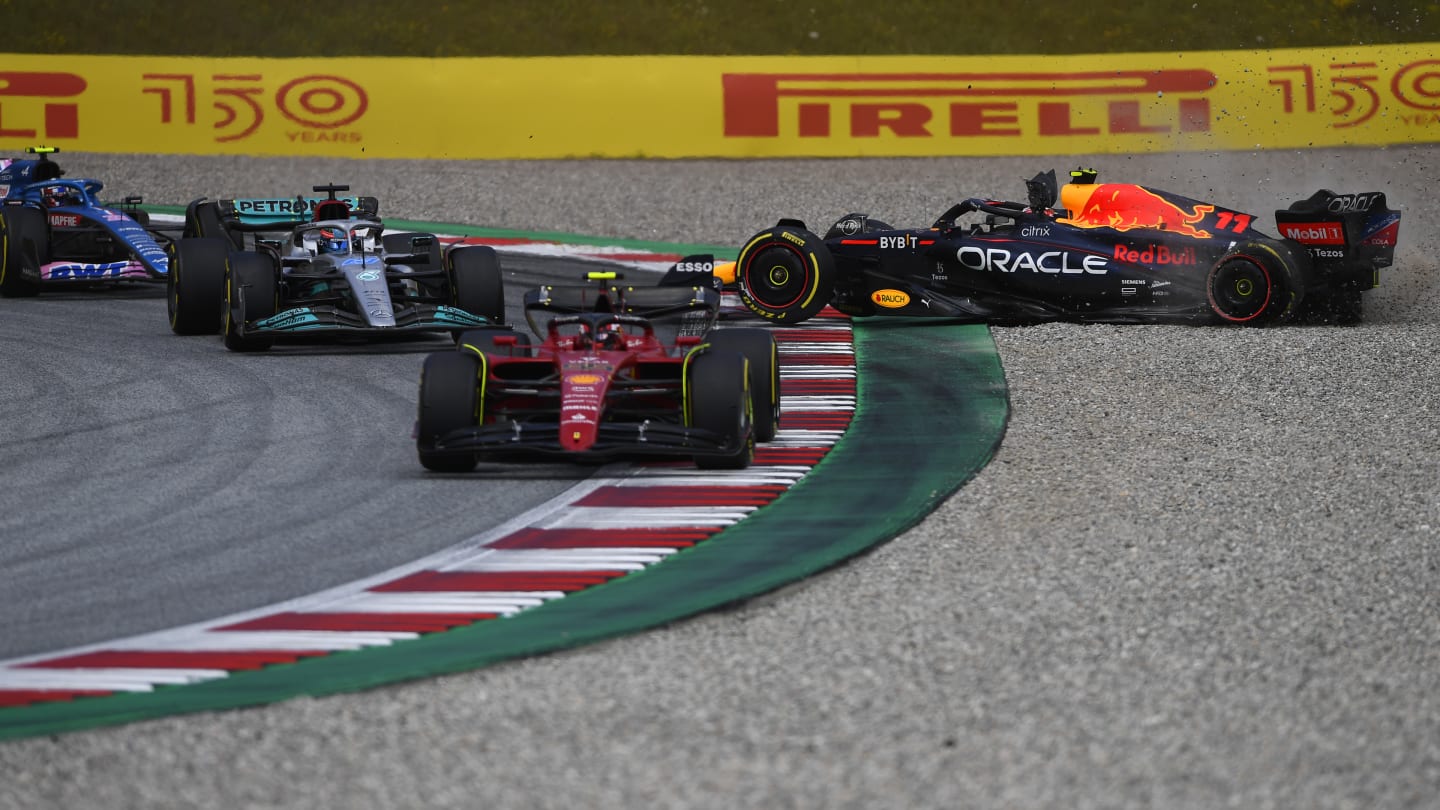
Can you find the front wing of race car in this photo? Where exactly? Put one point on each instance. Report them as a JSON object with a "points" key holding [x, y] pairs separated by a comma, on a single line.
{"points": [[612, 439], [319, 319]]}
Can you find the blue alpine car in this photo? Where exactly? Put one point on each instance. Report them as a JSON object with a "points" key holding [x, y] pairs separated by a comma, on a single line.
{"points": [[54, 230]]}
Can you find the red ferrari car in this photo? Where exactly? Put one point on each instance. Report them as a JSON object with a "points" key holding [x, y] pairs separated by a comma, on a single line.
{"points": [[619, 371]]}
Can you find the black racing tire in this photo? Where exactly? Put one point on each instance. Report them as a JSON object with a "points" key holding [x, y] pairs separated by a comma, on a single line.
{"points": [[449, 400], [195, 286], [399, 244], [476, 283], [250, 294], [785, 274], [1259, 282], [717, 399], [482, 341], [20, 227], [758, 346]]}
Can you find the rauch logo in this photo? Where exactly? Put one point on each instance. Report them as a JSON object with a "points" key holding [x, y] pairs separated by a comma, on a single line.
{"points": [[928, 105]]}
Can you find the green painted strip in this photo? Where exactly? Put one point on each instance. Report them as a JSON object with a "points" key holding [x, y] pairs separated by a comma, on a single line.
{"points": [[917, 436], [560, 237]]}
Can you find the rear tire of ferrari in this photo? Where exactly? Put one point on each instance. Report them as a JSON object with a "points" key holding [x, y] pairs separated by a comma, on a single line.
{"points": [[476, 283], [18, 226], [449, 400], [1258, 283], [785, 274], [482, 341], [195, 287], [717, 399], [250, 295], [758, 346]]}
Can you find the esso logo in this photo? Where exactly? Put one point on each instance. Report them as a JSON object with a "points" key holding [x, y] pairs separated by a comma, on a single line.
{"points": [[694, 267]]}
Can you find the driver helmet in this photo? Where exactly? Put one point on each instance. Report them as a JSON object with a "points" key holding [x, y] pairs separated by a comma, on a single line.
{"points": [[56, 196], [612, 338], [332, 241]]}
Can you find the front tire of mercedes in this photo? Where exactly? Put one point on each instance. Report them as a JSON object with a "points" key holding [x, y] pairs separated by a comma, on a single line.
{"points": [[195, 286], [250, 295], [476, 283]]}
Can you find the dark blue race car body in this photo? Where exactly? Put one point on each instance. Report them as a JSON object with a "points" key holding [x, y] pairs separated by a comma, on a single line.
{"points": [[1109, 252], [56, 231]]}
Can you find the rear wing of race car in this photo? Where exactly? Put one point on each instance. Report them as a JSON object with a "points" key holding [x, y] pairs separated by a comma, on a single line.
{"points": [[273, 214], [695, 305], [1354, 231], [260, 215]]}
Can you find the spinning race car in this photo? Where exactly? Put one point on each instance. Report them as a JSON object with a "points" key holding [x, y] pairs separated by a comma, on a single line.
{"points": [[55, 231], [1113, 252], [261, 269], [621, 371]]}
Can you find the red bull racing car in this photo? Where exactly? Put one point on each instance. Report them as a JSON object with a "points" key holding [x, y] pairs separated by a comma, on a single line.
{"points": [[1110, 252], [54, 231], [620, 371]]}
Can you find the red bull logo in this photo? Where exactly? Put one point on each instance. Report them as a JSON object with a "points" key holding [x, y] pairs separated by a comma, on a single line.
{"points": [[1156, 254], [1125, 207]]}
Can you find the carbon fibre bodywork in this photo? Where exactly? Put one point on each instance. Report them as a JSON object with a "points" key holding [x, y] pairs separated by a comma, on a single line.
{"points": [[1110, 252], [56, 231], [620, 371], [298, 268]]}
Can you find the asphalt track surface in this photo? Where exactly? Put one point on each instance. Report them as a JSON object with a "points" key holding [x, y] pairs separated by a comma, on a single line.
{"points": [[1201, 571], [156, 481]]}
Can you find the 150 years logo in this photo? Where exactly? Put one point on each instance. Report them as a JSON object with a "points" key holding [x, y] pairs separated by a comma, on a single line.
{"points": [[318, 107], [314, 108]]}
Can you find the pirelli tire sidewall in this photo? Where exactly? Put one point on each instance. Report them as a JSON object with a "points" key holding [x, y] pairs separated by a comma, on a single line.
{"points": [[451, 398], [195, 285], [22, 230], [785, 274], [1259, 282]]}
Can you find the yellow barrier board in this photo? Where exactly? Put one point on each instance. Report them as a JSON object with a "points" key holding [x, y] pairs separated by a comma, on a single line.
{"points": [[730, 107]]}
